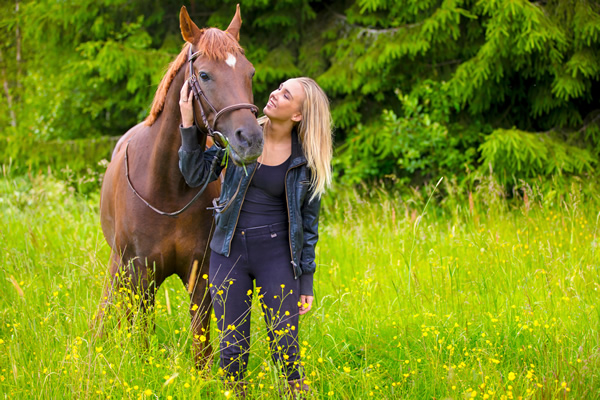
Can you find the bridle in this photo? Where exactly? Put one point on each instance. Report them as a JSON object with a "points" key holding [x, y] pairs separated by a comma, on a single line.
{"points": [[218, 138], [198, 94]]}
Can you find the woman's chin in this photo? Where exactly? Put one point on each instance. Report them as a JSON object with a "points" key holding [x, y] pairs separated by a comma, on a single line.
{"points": [[271, 113]]}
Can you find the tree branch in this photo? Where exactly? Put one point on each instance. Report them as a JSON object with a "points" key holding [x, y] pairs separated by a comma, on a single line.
{"points": [[373, 31], [593, 120], [449, 62]]}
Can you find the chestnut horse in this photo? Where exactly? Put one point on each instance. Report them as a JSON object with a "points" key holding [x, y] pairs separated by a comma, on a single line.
{"points": [[148, 247]]}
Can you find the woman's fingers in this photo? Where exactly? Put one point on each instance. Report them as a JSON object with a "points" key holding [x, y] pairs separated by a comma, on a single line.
{"points": [[184, 91], [186, 96], [305, 304]]}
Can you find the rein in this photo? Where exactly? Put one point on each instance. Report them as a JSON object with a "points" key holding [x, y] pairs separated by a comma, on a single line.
{"points": [[175, 213], [222, 141]]}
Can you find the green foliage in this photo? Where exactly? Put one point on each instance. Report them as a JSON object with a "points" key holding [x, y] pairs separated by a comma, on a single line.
{"points": [[419, 144], [516, 153], [531, 66], [67, 158], [90, 68]]}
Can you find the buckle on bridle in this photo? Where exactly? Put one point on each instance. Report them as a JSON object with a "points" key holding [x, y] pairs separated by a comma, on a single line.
{"points": [[216, 208], [220, 139]]}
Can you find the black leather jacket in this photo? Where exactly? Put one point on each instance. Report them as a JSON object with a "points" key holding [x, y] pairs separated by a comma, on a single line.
{"points": [[303, 214]]}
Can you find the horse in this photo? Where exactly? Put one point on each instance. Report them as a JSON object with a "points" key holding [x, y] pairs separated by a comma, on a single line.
{"points": [[143, 177]]}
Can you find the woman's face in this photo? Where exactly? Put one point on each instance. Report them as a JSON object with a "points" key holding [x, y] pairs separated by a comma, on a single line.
{"points": [[285, 102]]}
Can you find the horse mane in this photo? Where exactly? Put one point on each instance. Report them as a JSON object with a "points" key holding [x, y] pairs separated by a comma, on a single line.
{"points": [[214, 44]]}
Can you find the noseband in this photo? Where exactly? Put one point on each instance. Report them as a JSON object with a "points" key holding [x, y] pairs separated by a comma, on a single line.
{"points": [[198, 94]]}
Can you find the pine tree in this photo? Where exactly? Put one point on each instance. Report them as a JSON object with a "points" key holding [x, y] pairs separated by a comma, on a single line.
{"points": [[524, 72], [419, 88]]}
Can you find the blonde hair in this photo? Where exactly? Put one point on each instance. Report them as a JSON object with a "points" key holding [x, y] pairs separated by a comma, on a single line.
{"points": [[315, 134]]}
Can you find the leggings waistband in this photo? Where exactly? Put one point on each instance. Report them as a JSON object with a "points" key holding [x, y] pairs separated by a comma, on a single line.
{"points": [[261, 230]]}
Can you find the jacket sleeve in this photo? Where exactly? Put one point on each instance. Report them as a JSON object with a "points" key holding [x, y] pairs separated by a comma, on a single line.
{"points": [[194, 162], [310, 224]]}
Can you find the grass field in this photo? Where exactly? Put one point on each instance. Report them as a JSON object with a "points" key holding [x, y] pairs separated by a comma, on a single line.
{"points": [[479, 298]]}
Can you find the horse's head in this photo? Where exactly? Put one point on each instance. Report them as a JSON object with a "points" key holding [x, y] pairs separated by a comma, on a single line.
{"points": [[224, 86]]}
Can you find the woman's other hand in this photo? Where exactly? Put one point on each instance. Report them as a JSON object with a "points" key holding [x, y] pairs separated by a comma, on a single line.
{"points": [[305, 304], [186, 105]]}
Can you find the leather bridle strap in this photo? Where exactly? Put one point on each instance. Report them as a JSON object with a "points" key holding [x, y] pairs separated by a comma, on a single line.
{"points": [[199, 95]]}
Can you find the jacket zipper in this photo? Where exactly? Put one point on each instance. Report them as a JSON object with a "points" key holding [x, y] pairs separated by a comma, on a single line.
{"points": [[289, 221], [240, 210]]}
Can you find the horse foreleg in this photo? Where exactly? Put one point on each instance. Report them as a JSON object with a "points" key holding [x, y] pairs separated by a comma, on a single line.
{"points": [[138, 287], [97, 323], [200, 310], [130, 289]]}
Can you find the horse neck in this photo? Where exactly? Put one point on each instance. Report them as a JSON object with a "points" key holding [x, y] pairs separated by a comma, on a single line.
{"points": [[164, 160]]}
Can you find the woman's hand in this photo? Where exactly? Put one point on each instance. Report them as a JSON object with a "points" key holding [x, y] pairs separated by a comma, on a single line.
{"points": [[305, 303], [186, 105]]}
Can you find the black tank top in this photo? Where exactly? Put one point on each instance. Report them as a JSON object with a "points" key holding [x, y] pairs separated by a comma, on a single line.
{"points": [[265, 201]]}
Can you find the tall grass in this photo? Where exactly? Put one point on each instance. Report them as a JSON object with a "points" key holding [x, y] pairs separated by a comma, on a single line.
{"points": [[477, 297]]}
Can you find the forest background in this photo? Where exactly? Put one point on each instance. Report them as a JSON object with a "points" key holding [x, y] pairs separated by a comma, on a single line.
{"points": [[419, 89]]}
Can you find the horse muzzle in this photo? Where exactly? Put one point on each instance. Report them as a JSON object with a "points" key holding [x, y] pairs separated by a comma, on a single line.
{"points": [[246, 145]]}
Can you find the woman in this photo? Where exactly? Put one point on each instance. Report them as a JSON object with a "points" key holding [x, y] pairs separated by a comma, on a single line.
{"points": [[267, 228]]}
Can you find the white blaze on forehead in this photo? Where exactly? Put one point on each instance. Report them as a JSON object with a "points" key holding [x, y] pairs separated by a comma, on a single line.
{"points": [[231, 60]]}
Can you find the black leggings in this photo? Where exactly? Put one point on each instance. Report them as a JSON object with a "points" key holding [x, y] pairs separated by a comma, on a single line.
{"points": [[261, 254]]}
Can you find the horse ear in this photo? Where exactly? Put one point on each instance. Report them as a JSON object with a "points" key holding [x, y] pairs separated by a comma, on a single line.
{"points": [[236, 23], [189, 30]]}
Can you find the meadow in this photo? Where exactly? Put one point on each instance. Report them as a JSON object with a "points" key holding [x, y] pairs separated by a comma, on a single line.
{"points": [[476, 297]]}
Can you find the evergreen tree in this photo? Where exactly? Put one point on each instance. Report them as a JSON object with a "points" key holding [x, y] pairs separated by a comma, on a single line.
{"points": [[419, 88], [514, 79]]}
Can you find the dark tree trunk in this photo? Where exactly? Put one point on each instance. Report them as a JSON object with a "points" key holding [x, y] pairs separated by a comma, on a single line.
{"points": [[13, 117]]}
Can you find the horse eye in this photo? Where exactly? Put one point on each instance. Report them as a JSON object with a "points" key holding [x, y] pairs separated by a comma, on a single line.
{"points": [[204, 76]]}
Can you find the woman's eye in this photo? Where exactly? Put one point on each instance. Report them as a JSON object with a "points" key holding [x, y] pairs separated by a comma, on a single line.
{"points": [[204, 76]]}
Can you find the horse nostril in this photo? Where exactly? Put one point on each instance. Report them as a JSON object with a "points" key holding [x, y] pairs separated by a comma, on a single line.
{"points": [[242, 138]]}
